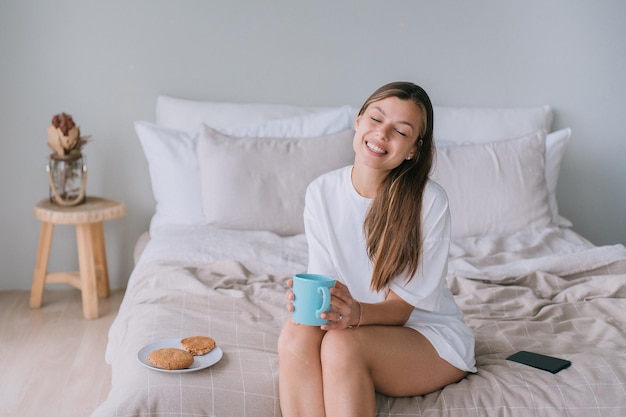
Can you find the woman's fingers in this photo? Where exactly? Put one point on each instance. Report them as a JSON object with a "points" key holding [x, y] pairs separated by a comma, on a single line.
{"points": [[342, 305], [290, 296]]}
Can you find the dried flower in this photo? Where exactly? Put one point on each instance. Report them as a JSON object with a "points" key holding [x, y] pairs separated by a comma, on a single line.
{"points": [[64, 135]]}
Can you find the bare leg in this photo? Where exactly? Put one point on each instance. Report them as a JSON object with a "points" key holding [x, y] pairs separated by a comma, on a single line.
{"points": [[393, 360], [300, 370]]}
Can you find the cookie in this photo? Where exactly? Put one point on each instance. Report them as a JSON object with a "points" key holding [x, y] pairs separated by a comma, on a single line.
{"points": [[198, 345], [170, 358]]}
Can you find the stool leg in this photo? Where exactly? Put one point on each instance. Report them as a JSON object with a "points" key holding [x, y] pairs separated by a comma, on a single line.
{"points": [[87, 270], [100, 260], [41, 265]]}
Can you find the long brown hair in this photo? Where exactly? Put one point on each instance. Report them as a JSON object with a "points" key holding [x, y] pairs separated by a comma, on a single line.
{"points": [[393, 226]]}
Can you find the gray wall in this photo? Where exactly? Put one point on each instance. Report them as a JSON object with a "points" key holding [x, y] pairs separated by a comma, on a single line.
{"points": [[105, 62]]}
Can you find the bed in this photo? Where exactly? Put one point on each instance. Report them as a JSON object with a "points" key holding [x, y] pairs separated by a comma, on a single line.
{"points": [[228, 181]]}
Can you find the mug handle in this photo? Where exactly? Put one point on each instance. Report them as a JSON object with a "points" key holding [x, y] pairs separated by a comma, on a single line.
{"points": [[325, 300]]}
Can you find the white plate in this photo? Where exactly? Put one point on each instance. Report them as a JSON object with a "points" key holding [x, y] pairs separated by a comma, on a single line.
{"points": [[199, 362]]}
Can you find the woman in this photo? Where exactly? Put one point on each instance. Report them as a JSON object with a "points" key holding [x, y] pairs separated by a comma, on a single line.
{"points": [[381, 228]]}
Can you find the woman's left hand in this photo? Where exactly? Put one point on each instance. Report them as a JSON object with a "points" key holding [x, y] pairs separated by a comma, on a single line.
{"points": [[344, 310]]}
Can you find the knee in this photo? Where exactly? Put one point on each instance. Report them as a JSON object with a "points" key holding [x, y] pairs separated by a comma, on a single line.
{"points": [[299, 340], [339, 350]]}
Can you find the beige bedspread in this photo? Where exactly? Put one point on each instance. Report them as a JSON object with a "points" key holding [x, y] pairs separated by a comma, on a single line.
{"points": [[573, 307]]}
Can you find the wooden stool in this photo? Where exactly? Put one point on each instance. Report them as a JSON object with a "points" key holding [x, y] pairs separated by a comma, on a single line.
{"points": [[93, 277]]}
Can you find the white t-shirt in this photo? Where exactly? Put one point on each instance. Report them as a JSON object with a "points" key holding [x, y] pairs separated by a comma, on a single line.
{"points": [[334, 214]]}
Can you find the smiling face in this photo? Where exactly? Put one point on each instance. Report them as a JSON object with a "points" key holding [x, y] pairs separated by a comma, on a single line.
{"points": [[386, 134]]}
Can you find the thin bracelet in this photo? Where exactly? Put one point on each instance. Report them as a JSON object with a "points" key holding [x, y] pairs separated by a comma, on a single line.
{"points": [[360, 315], [358, 323]]}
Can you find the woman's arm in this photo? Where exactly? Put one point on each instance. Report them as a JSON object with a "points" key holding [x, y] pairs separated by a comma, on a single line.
{"points": [[393, 311]]}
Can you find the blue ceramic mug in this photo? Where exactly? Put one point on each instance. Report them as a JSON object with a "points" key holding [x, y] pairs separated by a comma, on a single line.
{"points": [[312, 298]]}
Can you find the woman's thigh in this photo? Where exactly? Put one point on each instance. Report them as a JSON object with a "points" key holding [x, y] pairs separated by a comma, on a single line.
{"points": [[401, 361]]}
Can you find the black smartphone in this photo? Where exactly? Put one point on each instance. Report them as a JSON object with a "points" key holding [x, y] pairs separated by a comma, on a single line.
{"points": [[536, 360]]}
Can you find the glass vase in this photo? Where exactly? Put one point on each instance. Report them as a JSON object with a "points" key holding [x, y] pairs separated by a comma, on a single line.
{"points": [[67, 175]]}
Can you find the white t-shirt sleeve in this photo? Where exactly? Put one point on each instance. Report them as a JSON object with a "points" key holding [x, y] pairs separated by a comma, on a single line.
{"points": [[425, 289]]}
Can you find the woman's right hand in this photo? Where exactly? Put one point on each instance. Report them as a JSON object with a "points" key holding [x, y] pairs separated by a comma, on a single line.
{"points": [[290, 295]]}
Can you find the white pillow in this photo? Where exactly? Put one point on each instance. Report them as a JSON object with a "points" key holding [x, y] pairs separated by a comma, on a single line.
{"points": [[184, 114], [321, 123], [482, 124], [260, 183], [556, 142], [174, 174], [497, 187]]}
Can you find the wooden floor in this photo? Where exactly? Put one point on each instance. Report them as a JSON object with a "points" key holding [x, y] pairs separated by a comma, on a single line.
{"points": [[52, 359]]}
